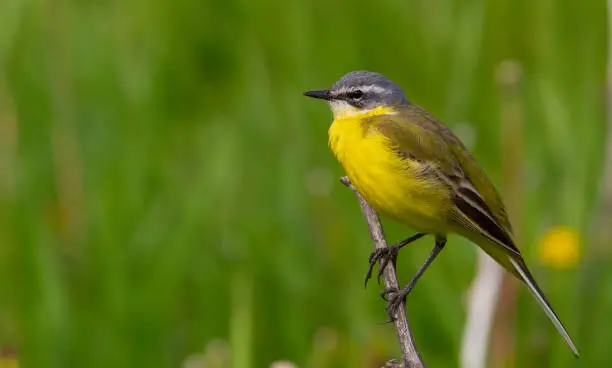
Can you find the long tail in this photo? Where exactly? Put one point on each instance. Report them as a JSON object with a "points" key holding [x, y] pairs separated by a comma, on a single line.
{"points": [[477, 222], [526, 276]]}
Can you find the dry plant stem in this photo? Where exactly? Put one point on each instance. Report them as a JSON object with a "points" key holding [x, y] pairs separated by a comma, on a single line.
{"points": [[503, 340], [483, 296], [411, 356], [492, 296], [605, 208]]}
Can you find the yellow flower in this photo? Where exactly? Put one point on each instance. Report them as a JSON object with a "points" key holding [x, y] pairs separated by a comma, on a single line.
{"points": [[560, 247], [8, 358], [8, 362]]}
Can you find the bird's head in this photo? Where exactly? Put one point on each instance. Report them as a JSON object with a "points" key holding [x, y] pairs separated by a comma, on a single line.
{"points": [[359, 92]]}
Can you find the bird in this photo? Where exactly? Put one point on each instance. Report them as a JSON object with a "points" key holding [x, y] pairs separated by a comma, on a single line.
{"points": [[413, 169]]}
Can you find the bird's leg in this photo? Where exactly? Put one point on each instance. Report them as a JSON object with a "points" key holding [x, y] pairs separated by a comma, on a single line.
{"points": [[385, 255], [396, 297]]}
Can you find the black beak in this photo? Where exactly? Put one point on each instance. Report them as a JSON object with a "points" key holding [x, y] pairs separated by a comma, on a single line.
{"points": [[322, 95]]}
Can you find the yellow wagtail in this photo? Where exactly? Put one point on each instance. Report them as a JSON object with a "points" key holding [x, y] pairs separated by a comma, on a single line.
{"points": [[413, 169]]}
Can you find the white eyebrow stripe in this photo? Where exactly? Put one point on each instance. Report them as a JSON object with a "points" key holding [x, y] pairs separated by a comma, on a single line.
{"points": [[365, 89], [373, 88]]}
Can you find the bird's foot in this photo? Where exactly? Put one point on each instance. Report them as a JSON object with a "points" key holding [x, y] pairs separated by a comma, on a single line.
{"points": [[384, 256], [394, 298]]}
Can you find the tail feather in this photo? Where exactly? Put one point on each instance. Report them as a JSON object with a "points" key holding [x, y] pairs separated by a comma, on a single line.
{"points": [[526, 276]]}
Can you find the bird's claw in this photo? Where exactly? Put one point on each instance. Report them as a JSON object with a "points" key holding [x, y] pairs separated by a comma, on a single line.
{"points": [[394, 297], [384, 256], [386, 292]]}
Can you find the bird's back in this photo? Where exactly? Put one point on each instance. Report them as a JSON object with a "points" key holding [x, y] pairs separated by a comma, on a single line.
{"points": [[464, 163]]}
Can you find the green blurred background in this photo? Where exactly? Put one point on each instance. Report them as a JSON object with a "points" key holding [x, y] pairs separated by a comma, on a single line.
{"points": [[167, 194]]}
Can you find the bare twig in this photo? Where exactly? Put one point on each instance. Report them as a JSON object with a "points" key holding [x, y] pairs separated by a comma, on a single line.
{"points": [[411, 356]]}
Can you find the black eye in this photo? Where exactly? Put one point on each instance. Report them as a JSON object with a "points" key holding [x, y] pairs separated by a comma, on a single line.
{"points": [[354, 95]]}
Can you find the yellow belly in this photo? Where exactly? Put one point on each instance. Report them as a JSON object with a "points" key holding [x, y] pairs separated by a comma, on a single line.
{"points": [[387, 181]]}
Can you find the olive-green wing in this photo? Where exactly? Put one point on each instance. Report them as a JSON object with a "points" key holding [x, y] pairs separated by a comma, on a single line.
{"points": [[417, 135]]}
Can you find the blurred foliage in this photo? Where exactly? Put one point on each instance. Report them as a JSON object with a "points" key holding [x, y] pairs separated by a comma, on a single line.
{"points": [[165, 190]]}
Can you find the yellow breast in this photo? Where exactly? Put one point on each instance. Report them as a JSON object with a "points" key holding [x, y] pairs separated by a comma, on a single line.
{"points": [[387, 181]]}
